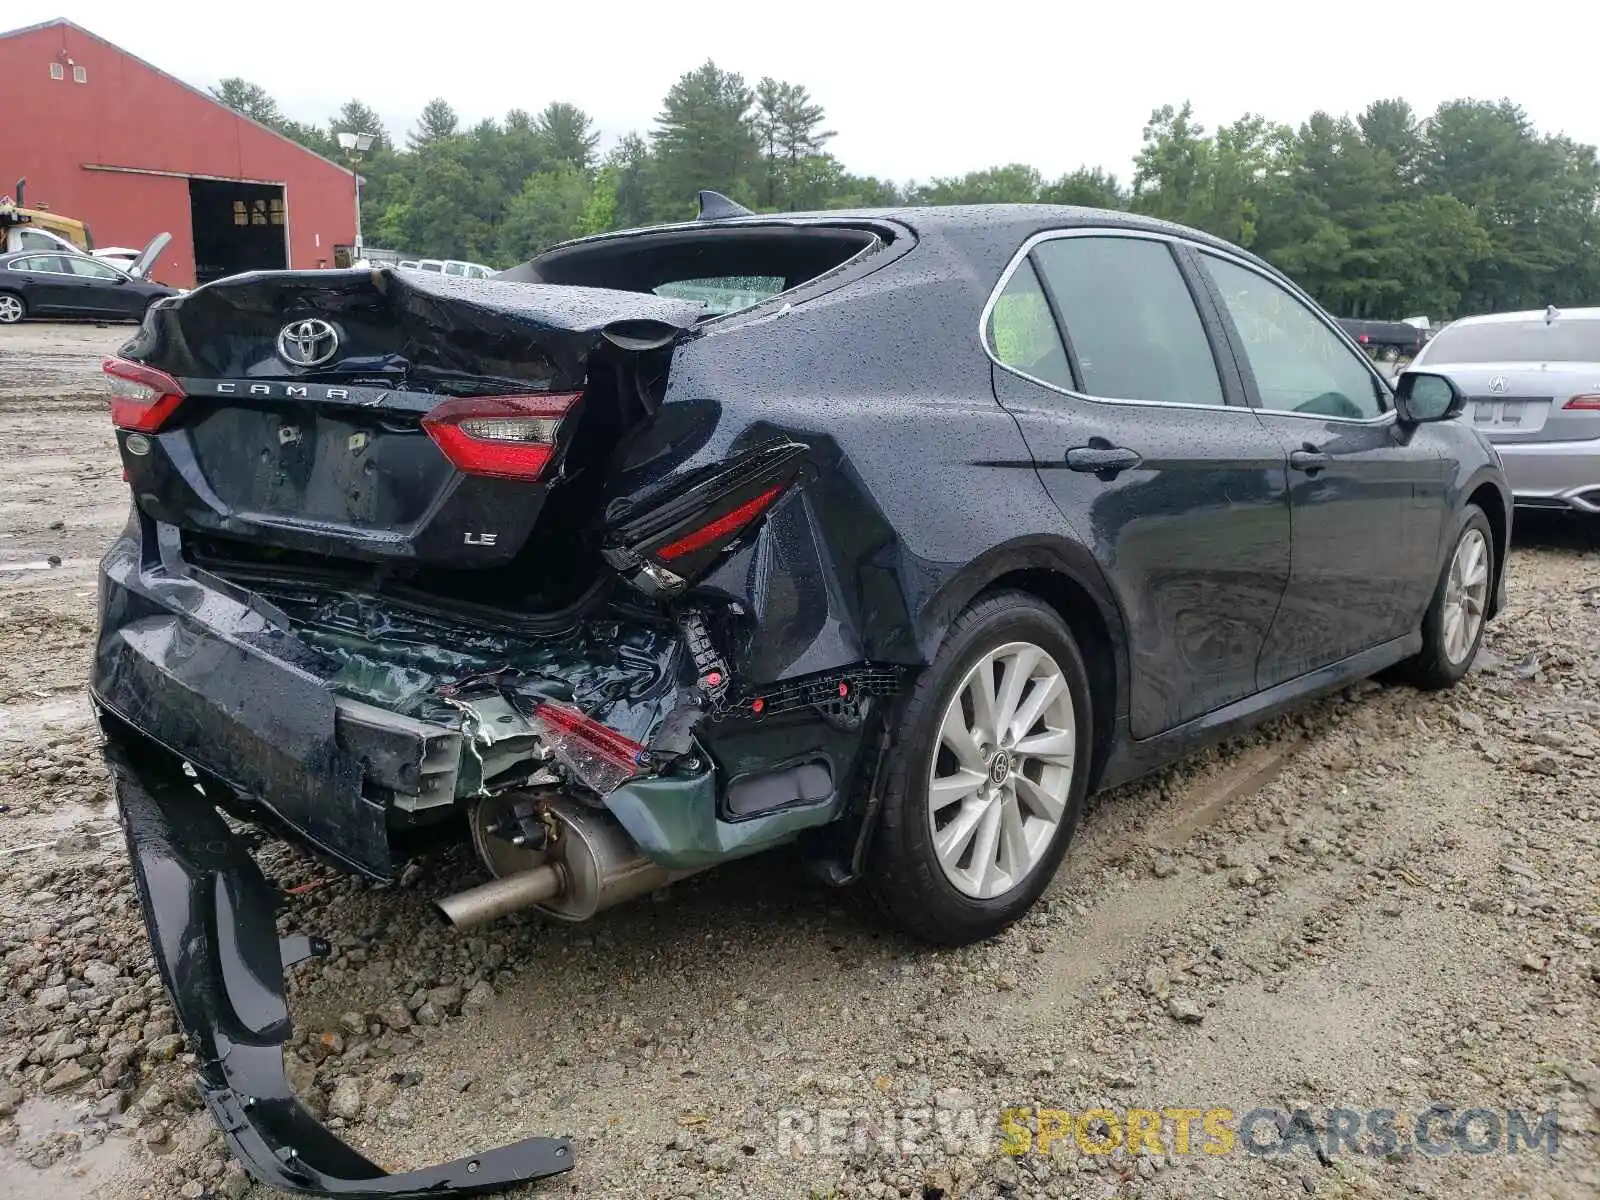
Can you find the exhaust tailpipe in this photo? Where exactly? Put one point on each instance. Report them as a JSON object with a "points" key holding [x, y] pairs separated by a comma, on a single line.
{"points": [[589, 864], [495, 899]]}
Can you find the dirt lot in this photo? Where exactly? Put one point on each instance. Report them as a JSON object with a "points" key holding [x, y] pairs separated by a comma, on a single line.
{"points": [[1388, 901]]}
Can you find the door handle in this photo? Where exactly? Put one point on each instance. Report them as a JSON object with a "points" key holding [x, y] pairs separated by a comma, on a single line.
{"points": [[1308, 459], [1104, 461]]}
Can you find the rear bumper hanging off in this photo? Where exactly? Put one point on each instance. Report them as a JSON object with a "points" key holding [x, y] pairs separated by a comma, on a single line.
{"points": [[210, 913]]}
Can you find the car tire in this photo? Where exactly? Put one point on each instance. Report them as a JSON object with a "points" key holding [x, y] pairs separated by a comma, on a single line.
{"points": [[1014, 846], [13, 308], [1460, 596]]}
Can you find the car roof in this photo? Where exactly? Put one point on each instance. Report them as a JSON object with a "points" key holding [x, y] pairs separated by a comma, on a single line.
{"points": [[1539, 314]]}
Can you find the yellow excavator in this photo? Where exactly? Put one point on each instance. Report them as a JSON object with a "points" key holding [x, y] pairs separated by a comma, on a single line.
{"points": [[15, 219]]}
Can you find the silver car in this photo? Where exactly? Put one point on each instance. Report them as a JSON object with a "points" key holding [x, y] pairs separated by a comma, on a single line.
{"points": [[1532, 381]]}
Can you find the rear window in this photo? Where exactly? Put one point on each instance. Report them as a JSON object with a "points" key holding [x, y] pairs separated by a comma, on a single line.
{"points": [[724, 294], [1516, 341], [724, 268]]}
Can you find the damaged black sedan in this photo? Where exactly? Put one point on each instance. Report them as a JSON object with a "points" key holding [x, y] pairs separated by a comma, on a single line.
{"points": [[891, 535]]}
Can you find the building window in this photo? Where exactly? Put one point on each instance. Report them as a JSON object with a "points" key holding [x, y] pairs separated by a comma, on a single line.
{"points": [[57, 71], [80, 74], [276, 210]]}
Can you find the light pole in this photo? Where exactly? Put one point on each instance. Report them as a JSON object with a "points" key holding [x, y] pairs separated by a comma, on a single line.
{"points": [[356, 144]]}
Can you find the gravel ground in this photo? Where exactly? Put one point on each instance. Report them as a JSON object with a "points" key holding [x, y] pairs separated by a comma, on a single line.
{"points": [[1386, 901]]}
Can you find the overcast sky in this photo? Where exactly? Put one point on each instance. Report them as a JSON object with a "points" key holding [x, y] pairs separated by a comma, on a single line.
{"points": [[914, 90]]}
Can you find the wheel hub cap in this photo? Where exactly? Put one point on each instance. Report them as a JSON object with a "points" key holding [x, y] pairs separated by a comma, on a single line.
{"points": [[999, 767], [1002, 768]]}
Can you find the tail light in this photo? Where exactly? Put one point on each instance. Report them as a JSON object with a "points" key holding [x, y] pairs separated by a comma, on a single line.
{"points": [[680, 536], [599, 755], [142, 398], [504, 437], [1588, 403], [721, 528]]}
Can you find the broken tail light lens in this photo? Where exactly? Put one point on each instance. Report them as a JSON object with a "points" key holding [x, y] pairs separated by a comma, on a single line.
{"points": [[142, 398], [723, 527], [503, 437], [1589, 403], [599, 755]]}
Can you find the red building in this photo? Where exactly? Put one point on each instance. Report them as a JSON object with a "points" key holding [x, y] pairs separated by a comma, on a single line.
{"points": [[108, 139]]}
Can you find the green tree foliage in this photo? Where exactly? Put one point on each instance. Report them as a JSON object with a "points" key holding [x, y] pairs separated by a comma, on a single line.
{"points": [[249, 99], [788, 128], [704, 138], [438, 123], [568, 135], [1384, 214]]}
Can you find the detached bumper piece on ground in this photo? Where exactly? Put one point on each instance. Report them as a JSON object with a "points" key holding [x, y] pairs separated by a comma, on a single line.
{"points": [[681, 544], [211, 918]]}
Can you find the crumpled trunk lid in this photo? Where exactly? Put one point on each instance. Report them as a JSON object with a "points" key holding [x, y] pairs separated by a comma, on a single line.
{"points": [[317, 412]]}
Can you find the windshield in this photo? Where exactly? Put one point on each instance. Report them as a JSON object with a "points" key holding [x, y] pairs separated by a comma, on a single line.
{"points": [[1533, 340]]}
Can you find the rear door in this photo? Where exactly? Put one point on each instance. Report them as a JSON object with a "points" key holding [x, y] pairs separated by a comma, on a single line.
{"points": [[1137, 424], [47, 285], [1368, 497]]}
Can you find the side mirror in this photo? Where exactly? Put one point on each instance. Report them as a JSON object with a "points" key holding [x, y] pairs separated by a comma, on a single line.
{"points": [[1420, 396]]}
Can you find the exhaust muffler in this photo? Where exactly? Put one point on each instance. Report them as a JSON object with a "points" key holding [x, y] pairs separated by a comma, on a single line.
{"points": [[588, 863]]}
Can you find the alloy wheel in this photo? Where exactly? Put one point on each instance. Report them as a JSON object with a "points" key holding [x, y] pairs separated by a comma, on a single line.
{"points": [[1001, 774], [1466, 594], [10, 310]]}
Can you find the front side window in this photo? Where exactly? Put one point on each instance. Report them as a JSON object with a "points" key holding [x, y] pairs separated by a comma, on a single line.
{"points": [[1300, 365], [32, 239], [1130, 320], [1022, 333], [93, 270]]}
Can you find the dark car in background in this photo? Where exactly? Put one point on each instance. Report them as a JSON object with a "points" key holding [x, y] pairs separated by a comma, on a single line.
{"points": [[890, 534], [1388, 341], [35, 284]]}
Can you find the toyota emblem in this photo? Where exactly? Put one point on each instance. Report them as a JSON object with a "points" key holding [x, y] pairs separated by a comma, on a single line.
{"points": [[1499, 385], [308, 343]]}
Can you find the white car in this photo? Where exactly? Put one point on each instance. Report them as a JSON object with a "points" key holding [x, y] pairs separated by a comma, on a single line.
{"points": [[453, 266]]}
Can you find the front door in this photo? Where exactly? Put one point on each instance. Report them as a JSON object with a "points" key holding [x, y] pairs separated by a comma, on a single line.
{"points": [[1155, 461], [1367, 496], [104, 290], [50, 287]]}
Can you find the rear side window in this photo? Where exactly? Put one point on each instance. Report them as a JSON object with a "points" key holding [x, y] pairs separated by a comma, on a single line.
{"points": [[1022, 333], [1130, 320], [41, 262]]}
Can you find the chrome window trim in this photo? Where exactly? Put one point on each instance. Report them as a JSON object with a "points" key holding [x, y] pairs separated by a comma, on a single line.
{"points": [[21, 264], [1049, 235]]}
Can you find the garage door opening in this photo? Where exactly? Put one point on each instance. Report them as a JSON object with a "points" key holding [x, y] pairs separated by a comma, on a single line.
{"points": [[237, 227]]}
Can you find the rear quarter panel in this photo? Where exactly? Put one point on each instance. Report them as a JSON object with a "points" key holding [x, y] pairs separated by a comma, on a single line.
{"points": [[918, 476]]}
